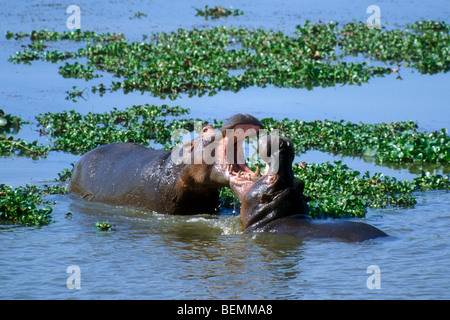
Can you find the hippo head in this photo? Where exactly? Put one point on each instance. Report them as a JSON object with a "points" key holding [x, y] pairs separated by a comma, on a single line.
{"points": [[277, 193], [216, 156]]}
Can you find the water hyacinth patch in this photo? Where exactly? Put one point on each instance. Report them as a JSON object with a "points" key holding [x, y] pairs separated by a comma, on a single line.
{"points": [[103, 226], [20, 147], [338, 191], [77, 133], [73, 132], [9, 145], [397, 142], [138, 15], [76, 35], [26, 205], [9, 123], [198, 62], [423, 45], [218, 12], [22, 206]]}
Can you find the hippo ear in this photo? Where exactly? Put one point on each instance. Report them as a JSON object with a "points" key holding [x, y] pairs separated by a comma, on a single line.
{"points": [[207, 131], [265, 198], [299, 184]]}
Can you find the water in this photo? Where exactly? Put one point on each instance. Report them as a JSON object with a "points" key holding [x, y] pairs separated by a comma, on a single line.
{"points": [[152, 256]]}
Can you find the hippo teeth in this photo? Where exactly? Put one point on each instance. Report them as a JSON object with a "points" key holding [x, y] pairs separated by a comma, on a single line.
{"points": [[243, 173]]}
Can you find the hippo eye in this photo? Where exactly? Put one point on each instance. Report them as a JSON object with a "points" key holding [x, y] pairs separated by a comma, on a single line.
{"points": [[265, 198], [268, 197]]}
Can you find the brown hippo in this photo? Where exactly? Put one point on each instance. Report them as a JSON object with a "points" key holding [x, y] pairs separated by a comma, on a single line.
{"points": [[184, 180], [275, 202]]}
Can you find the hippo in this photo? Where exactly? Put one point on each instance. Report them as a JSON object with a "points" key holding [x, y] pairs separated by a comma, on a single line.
{"points": [[275, 202], [179, 181]]}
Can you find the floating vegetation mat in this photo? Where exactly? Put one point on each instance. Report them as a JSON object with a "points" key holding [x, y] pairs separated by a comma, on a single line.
{"points": [[218, 12], [26, 205], [198, 62]]}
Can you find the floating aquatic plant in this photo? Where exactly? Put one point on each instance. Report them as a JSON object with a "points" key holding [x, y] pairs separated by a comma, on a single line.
{"points": [[397, 142], [9, 123], [198, 62], [12, 146], [26, 205], [400, 142], [77, 133], [9, 145], [423, 45], [338, 191], [22, 206], [65, 174], [76, 35], [138, 15], [103, 226], [218, 12]]}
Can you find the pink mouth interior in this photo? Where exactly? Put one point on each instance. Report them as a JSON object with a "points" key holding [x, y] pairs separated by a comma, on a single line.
{"points": [[240, 174]]}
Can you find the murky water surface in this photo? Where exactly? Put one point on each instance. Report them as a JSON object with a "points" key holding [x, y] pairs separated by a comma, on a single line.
{"points": [[152, 256]]}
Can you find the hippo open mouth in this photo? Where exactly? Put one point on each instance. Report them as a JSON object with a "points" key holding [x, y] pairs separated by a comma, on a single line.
{"points": [[277, 193], [234, 133], [242, 178]]}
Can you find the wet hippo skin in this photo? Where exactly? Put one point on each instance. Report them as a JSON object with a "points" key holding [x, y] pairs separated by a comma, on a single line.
{"points": [[275, 203], [131, 174]]}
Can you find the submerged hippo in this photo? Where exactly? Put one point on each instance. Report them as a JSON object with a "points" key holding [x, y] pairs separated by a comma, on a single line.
{"points": [[180, 181], [275, 203]]}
